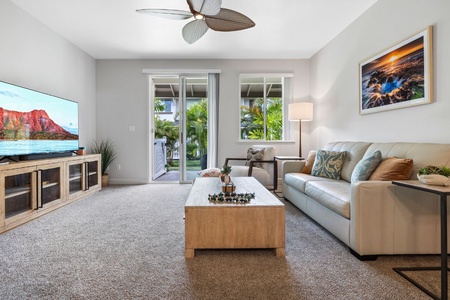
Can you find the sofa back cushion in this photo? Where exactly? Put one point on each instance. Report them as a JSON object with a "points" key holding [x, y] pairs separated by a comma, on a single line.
{"points": [[355, 151], [269, 154], [422, 154]]}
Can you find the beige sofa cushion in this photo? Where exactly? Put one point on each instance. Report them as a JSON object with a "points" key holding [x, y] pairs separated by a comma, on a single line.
{"points": [[260, 174], [423, 154], [333, 194], [299, 180]]}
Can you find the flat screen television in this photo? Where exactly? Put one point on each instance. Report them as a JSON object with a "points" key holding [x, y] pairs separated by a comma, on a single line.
{"points": [[35, 123]]}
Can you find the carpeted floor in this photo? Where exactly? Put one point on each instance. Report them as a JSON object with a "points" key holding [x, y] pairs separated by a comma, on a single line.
{"points": [[127, 242]]}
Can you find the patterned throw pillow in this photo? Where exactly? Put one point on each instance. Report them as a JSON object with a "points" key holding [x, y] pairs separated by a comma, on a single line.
{"points": [[213, 172], [254, 154], [328, 164], [365, 167]]}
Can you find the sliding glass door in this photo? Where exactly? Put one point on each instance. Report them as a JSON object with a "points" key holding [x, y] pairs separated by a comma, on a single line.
{"points": [[180, 127]]}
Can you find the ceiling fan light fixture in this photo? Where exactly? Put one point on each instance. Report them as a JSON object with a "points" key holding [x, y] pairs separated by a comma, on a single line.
{"points": [[207, 14], [199, 17]]}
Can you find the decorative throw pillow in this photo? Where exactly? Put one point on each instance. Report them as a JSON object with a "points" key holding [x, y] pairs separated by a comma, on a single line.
{"points": [[365, 167], [393, 168], [254, 154], [328, 164], [213, 172], [309, 162]]}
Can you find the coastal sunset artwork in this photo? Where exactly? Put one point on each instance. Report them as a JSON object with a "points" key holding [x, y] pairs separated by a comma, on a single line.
{"points": [[398, 77]]}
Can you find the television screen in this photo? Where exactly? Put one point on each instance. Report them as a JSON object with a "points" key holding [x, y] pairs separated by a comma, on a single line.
{"points": [[35, 123]]}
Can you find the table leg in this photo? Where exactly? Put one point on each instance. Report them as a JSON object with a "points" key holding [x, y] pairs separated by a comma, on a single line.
{"points": [[280, 252], [189, 253], [444, 259]]}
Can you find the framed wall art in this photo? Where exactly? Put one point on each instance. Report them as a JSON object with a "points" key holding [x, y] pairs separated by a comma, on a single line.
{"points": [[398, 77]]}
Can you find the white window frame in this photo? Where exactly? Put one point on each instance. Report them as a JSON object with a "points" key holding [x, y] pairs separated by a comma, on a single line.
{"points": [[287, 96]]}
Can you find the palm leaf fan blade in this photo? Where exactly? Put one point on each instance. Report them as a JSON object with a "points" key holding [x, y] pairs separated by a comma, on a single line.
{"points": [[194, 30], [205, 7], [229, 20], [174, 14]]}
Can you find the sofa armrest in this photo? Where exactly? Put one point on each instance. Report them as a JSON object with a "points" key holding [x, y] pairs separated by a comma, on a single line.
{"points": [[372, 212], [292, 166]]}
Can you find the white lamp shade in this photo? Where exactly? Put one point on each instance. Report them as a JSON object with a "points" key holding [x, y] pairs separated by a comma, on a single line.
{"points": [[300, 111]]}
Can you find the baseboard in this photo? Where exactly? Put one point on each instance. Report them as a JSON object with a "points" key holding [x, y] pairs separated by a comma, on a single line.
{"points": [[127, 181]]}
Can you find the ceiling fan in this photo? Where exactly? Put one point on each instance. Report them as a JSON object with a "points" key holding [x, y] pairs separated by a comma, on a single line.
{"points": [[207, 14]]}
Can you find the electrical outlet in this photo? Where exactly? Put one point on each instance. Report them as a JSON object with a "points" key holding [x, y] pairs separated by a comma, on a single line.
{"points": [[118, 167], [132, 128]]}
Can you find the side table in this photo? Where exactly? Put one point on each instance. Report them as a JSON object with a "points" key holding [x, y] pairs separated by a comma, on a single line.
{"points": [[275, 171], [443, 192]]}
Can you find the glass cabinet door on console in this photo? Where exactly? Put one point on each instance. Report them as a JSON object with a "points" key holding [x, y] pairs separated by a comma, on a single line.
{"points": [[50, 178], [83, 175], [76, 182], [93, 173], [27, 190], [19, 194]]}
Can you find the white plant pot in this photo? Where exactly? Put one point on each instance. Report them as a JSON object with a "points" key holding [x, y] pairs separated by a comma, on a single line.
{"points": [[434, 179]]}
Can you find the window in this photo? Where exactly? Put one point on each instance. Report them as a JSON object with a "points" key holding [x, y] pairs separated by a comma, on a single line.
{"points": [[168, 104], [262, 108]]}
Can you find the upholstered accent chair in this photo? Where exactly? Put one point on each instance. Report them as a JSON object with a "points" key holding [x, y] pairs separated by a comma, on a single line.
{"points": [[259, 163]]}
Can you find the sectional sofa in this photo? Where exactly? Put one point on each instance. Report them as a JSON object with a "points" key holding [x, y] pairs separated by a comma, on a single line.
{"points": [[372, 217]]}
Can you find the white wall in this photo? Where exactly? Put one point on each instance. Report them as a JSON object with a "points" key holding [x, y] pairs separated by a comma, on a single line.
{"points": [[335, 86], [122, 101], [33, 56]]}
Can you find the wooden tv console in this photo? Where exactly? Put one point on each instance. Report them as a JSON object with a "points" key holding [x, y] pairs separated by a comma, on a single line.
{"points": [[29, 189]]}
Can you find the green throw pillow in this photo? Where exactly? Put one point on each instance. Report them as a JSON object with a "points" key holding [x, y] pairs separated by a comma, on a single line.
{"points": [[365, 167], [328, 164]]}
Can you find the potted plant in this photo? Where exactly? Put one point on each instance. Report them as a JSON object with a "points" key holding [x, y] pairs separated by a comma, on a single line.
{"points": [[106, 149], [225, 174], [434, 175]]}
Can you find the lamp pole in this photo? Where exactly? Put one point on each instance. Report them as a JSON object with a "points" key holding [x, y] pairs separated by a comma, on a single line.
{"points": [[300, 138]]}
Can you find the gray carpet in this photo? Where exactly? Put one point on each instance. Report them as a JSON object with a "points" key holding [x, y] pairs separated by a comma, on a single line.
{"points": [[127, 242]]}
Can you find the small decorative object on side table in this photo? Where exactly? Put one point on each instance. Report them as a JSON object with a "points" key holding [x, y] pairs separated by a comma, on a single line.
{"points": [[443, 192], [434, 175], [275, 171]]}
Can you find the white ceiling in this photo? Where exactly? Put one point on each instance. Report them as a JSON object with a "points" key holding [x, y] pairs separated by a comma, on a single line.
{"points": [[111, 29]]}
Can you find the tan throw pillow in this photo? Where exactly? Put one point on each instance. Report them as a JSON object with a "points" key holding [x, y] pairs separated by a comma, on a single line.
{"points": [[309, 162], [254, 154], [393, 168]]}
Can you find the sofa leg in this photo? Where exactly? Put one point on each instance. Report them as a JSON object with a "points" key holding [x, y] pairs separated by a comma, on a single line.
{"points": [[363, 257]]}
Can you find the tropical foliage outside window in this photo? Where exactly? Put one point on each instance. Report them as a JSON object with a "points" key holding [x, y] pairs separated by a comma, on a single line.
{"points": [[196, 129], [165, 128], [261, 112]]}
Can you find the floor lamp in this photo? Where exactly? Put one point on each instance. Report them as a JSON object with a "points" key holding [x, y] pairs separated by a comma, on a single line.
{"points": [[301, 111]]}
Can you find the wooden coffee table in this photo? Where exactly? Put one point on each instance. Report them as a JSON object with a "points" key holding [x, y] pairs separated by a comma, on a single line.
{"points": [[258, 224]]}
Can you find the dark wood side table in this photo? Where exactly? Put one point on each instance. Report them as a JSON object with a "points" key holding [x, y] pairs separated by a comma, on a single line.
{"points": [[443, 192], [275, 171]]}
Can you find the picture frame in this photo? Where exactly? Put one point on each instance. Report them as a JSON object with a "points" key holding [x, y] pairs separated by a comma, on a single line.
{"points": [[398, 77]]}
